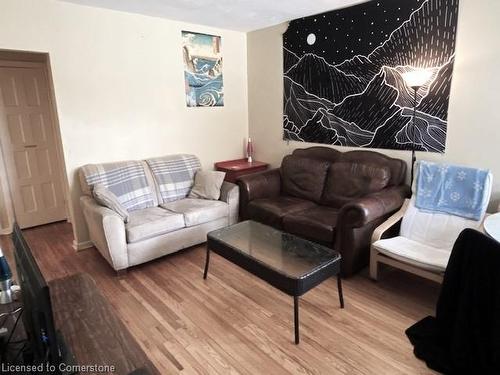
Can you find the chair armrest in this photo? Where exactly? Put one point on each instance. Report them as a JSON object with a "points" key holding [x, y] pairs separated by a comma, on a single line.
{"points": [[230, 193], [481, 227], [265, 184], [107, 232], [390, 222], [364, 210]]}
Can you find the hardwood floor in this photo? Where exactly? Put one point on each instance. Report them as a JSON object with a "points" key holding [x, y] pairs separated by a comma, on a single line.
{"points": [[234, 323]]}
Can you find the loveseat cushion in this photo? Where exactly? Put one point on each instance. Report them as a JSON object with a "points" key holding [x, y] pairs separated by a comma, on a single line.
{"points": [[126, 179], [207, 185], [198, 211], [106, 198], [303, 177], [271, 211], [316, 223], [174, 175], [347, 181], [152, 222]]}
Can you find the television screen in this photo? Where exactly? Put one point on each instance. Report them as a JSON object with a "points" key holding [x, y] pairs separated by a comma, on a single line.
{"points": [[37, 310]]}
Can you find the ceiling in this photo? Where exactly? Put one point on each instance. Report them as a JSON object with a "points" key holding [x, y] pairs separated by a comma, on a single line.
{"points": [[239, 15]]}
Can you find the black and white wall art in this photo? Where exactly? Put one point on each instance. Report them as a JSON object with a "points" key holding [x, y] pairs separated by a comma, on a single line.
{"points": [[344, 69]]}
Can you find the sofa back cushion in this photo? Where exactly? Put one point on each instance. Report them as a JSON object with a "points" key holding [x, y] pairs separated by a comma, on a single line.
{"points": [[174, 175], [303, 177], [319, 152], [126, 180], [347, 181], [434, 229], [397, 167]]}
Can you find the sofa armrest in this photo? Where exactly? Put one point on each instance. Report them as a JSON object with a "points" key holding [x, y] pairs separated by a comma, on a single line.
{"points": [[391, 221], [230, 193], [265, 184], [358, 220], [364, 210], [107, 232]]}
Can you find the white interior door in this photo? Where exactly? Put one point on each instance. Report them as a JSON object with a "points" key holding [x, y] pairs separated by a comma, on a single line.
{"points": [[29, 145]]}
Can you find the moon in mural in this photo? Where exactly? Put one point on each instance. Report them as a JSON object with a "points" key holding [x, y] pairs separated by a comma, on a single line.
{"points": [[311, 39]]}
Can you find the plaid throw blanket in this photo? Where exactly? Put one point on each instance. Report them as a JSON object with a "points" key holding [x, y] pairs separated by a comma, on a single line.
{"points": [[127, 180], [174, 175]]}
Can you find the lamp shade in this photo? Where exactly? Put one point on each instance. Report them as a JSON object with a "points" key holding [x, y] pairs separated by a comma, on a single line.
{"points": [[417, 78]]}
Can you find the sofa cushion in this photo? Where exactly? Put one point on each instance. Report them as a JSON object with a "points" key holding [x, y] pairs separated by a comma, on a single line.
{"points": [[152, 222], [434, 229], [207, 185], [271, 211], [198, 211], [415, 253], [126, 179], [316, 223], [174, 175], [303, 177], [347, 181], [397, 167], [106, 198]]}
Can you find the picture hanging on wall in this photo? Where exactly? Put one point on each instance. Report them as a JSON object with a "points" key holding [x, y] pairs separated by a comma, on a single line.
{"points": [[202, 69], [346, 78]]}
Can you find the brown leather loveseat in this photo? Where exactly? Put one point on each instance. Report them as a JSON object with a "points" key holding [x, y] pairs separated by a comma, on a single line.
{"points": [[329, 197]]}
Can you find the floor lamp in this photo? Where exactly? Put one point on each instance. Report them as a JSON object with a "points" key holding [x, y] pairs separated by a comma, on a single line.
{"points": [[415, 79]]}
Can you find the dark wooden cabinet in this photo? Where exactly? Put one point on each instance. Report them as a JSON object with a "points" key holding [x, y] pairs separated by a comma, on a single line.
{"points": [[239, 167], [92, 330]]}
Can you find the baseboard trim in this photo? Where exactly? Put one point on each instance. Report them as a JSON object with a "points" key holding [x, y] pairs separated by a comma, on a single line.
{"points": [[5, 231], [78, 246]]}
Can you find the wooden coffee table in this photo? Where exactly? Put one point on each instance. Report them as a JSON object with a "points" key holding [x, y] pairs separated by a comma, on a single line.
{"points": [[287, 262]]}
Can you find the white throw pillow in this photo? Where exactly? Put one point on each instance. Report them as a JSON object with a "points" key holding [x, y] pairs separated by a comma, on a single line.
{"points": [[107, 198], [207, 185]]}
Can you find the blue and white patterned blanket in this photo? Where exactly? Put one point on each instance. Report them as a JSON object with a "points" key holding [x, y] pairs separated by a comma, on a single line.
{"points": [[126, 179], [174, 175], [452, 189]]}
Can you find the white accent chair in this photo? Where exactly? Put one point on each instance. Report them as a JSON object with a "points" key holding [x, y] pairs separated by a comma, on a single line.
{"points": [[419, 242]]}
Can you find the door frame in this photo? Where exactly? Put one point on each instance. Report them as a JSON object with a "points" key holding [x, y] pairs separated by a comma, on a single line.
{"points": [[18, 59]]}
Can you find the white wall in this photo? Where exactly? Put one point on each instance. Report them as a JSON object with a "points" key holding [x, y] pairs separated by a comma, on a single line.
{"points": [[473, 121], [119, 86], [120, 91]]}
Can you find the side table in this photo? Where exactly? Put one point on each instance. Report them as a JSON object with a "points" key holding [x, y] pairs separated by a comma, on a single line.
{"points": [[239, 167]]}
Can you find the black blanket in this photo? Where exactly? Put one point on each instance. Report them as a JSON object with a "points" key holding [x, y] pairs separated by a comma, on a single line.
{"points": [[464, 337]]}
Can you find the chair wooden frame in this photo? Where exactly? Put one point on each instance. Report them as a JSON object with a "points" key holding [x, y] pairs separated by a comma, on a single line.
{"points": [[377, 257]]}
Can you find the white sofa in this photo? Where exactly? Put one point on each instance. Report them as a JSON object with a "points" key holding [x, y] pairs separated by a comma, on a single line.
{"points": [[162, 219]]}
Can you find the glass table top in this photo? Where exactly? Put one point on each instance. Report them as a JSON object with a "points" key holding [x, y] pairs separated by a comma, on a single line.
{"points": [[283, 252]]}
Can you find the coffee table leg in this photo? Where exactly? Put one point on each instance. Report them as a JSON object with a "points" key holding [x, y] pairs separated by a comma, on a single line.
{"points": [[207, 261], [296, 318], [341, 295]]}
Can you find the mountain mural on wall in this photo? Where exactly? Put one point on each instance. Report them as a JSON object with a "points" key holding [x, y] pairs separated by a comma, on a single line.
{"points": [[343, 75]]}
